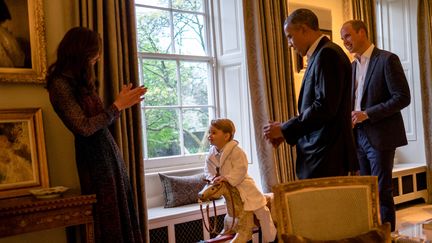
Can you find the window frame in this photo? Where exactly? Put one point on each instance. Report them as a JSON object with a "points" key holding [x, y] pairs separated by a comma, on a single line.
{"points": [[183, 161]]}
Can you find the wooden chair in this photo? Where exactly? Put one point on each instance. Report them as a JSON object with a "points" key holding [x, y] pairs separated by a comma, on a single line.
{"points": [[327, 208]]}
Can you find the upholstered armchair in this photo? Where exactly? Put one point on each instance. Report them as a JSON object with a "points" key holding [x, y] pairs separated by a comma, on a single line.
{"points": [[331, 208]]}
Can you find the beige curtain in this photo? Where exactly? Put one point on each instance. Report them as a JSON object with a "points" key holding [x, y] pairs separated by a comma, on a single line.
{"points": [[424, 30], [271, 84], [115, 21], [365, 10]]}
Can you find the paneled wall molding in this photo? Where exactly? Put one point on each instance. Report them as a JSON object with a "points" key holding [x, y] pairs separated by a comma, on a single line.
{"points": [[395, 19], [232, 78]]}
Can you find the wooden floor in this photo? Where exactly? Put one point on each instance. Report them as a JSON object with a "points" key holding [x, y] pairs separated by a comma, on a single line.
{"points": [[412, 212]]}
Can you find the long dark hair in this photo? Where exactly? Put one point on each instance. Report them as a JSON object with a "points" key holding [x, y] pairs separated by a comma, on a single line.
{"points": [[76, 49], [4, 12]]}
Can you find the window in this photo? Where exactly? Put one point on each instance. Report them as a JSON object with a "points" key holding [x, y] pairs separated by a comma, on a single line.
{"points": [[192, 58], [176, 64]]}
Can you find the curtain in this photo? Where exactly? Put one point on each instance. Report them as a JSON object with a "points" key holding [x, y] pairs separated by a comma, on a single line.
{"points": [[115, 21], [365, 10], [271, 84], [424, 30]]}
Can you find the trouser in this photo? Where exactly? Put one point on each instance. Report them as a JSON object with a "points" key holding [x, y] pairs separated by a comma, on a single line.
{"points": [[378, 163], [268, 229]]}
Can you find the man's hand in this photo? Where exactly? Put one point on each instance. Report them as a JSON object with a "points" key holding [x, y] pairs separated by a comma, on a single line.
{"points": [[273, 133], [358, 117], [276, 142]]}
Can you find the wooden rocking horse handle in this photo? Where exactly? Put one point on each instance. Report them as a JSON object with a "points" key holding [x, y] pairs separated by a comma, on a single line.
{"points": [[210, 229]]}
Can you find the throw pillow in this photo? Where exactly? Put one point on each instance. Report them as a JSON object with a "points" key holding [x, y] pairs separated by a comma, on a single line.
{"points": [[380, 234], [181, 190]]}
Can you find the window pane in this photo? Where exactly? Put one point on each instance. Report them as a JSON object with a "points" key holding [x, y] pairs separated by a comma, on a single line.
{"points": [[195, 127], [160, 77], [162, 132], [190, 5], [194, 83], [180, 99], [189, 34], [153, 31], [156, 3]]}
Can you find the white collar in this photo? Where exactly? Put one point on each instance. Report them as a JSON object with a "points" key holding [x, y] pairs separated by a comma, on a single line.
{"points": [[366, 55], [313, 47]]}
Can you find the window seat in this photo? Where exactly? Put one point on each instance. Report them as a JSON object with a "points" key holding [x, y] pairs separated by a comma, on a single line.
{"points": [[161, 214], [176, 224]]}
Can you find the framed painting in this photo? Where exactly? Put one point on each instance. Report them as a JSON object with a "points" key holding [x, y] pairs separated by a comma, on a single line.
{"points": [[23, 57], [23, 164], [327, 33]]}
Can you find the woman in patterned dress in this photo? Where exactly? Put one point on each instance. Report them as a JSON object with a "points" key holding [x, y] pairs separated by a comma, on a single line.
{"points": [[71, 84]]}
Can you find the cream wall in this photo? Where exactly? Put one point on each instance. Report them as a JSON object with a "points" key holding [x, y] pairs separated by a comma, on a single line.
{"points": [[59, 17], [337, 12]]}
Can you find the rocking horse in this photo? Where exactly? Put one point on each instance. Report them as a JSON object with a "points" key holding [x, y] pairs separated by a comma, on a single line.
{"points": [[236, 220]]}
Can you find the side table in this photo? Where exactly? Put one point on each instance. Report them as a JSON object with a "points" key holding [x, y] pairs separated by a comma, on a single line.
{"points": [[27, 214], [413, 233]]}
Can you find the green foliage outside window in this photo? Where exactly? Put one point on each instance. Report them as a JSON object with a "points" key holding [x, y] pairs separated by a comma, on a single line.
{"points": [[175, 66]]}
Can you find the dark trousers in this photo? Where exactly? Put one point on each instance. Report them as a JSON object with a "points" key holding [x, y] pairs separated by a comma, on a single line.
{"points": [[378, 163]]}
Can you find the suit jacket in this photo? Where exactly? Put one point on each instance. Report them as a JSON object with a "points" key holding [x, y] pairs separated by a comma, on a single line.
{"points": [[322, 131], [385, 94]]}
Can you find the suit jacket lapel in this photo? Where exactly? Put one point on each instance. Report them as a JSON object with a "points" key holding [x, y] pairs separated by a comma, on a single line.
{"points": [[372, 62], [306, 74], [308, 71], [353, 85]]}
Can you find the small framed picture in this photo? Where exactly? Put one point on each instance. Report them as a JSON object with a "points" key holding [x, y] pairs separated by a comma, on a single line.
{"points": [[23, 163], [300, 62]]}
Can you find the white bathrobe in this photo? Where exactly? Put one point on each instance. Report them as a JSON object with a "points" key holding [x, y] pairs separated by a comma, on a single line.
{"points": [[233, 166]]}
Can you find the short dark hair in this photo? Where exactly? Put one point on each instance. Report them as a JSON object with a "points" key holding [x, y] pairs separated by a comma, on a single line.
{"points": [[358, 25], [303, 16]]}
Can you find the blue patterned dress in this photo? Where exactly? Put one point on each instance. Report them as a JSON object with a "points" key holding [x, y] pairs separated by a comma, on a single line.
{"points": [[100, 166]]}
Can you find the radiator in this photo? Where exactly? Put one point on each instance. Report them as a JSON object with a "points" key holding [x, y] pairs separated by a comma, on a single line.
{"points": [[185, 232]]}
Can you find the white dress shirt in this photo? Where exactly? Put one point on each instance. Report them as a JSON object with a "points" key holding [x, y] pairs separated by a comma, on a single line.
{"points": [[361, 70], [313, 47]]}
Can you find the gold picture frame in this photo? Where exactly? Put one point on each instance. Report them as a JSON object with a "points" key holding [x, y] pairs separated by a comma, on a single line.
{"points": [[23, 163], [25, 27]]}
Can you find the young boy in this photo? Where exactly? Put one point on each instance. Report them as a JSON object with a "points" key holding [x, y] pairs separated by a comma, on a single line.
{"points": [[226, 161]]}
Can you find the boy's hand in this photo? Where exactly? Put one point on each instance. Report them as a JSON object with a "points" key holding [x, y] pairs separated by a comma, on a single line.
{"points": [[219, 179]]}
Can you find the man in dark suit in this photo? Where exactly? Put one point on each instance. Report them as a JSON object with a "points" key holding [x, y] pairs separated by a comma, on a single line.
{"points": [[322, 131], [380, 92]]}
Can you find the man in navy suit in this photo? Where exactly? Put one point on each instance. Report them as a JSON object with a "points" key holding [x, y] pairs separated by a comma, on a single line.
{"points": [[380, 92], [322, 131]]}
